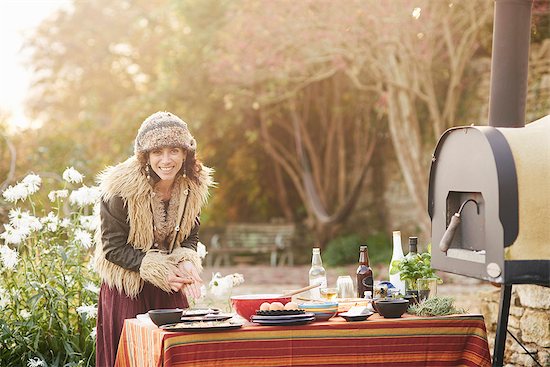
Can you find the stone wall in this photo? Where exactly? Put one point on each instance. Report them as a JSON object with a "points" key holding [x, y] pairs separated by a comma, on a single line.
{"points": [[529, 322]]}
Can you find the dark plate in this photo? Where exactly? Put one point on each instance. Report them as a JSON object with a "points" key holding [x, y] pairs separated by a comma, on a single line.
{"points": [[202, 326], [305, 315], [280, 312], [209, 317], [287, 322], [355, 317], [194, 312]]}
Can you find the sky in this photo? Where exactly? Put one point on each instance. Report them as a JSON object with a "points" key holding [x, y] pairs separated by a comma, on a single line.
{"points": [[17, 18]]}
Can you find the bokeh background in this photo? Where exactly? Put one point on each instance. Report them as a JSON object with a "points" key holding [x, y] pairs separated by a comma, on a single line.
{"points": [[317, 113], [353, 93]]}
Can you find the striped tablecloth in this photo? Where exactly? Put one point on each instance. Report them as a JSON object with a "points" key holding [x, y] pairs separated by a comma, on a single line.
{"points": [[408, 341]]}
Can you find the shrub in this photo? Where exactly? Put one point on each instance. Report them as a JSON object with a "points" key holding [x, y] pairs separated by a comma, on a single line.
{"points": [[344, 250], [48, 293]]}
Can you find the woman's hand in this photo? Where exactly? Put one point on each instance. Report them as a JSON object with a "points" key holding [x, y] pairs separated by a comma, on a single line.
{"points": [[187, 270], [177, 280]]}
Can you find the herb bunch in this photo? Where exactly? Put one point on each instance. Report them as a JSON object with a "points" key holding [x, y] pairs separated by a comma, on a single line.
{"points": [[436, 306]]}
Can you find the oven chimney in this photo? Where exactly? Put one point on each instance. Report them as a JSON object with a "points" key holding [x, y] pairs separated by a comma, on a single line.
{"points": [[510, 58]]}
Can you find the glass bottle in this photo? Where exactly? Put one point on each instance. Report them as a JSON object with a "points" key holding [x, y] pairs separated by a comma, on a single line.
{"points": [[397, 255], [413, 252], [413, 247], [317, 274], [365, 280]]}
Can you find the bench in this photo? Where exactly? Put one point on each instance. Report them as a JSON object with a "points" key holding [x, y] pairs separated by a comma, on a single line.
{"points": [[242, 240]]}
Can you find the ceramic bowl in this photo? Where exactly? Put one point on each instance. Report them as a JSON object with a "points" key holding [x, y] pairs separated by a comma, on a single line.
{"points": [[391, 308], [165, 316], [322, 310], [246, 305]]}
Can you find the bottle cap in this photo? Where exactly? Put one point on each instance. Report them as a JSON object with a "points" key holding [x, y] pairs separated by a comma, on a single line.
{"points": [[316, 250], [363, 248], [397, 232]]}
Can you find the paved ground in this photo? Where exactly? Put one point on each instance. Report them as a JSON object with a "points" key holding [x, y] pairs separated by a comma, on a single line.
{"points": [[266, 279]]}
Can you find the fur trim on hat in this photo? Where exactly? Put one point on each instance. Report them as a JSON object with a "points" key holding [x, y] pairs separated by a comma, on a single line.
{"points": [[163, 129]]}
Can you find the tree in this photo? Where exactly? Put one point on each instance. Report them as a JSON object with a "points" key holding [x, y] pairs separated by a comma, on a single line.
{"points": [[287, 73]]}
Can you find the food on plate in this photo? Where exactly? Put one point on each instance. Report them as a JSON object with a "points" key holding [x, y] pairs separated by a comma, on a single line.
{"points": [[358, 310], [276, 306], [265, 306], [291, 306]]}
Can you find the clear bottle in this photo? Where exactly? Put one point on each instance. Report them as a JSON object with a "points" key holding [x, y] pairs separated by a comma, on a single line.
{"points": [[365, 279], [397, 255], [317, 274]]}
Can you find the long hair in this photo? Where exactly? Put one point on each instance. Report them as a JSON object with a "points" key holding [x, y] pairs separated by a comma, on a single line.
{"points": [[191, 166]]}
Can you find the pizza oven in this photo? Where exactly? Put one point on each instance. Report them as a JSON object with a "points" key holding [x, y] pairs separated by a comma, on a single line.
{"points": [[489, 202], [489, 189]]}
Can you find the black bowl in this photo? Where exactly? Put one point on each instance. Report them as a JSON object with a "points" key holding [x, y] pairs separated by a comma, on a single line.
{"points": [[165, 316], [391, 308]]}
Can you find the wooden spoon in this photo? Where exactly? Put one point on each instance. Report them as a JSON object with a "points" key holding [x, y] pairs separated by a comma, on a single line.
{"points": [[297, 291]]}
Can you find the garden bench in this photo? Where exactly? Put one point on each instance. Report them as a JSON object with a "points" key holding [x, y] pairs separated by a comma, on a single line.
{"points": [[240, 240]]}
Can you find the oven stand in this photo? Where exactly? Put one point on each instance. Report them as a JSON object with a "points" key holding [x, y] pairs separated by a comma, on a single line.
{"points": [[502, 325]]}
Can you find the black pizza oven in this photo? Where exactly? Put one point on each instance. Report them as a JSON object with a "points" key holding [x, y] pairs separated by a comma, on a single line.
{"points": [[489, 189]]}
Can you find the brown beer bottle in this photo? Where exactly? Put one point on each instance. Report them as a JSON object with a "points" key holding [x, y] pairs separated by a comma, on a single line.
{"points": [[365, 280]]}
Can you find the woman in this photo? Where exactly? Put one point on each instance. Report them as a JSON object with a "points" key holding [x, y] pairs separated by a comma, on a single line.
{"points": [[146, 245]]}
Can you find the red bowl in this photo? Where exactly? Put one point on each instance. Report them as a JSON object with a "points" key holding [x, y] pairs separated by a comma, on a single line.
{"points": [[246, 305]]}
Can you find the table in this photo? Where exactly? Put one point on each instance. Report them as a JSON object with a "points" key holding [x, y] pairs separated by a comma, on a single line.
{"points": [[458, 340]]}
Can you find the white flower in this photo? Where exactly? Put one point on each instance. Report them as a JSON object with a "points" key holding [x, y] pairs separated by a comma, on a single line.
{"points": [[24, 220], [201, 250], [9, 257], [15, 193], [89, 311], [72, 176], [65, 222], [35, 362], [221, 286], [69, 279], [89, 222], [58, 194], [14, 235], [24, 314], [93, 333], [84, 196], [51, 222], [4, 297], [92, 288], [83, 237], [237, 279], [32, 183]]}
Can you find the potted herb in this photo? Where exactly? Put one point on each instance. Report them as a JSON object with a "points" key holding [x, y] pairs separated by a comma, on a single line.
{"points": [[413, 268]]}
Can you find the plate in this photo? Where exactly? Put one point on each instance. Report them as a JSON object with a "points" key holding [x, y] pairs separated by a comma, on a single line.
{"points": [[287, 322], [304, 315], [202, 326], [279, 312], [192, 312], [350, 318], [209, 317]]}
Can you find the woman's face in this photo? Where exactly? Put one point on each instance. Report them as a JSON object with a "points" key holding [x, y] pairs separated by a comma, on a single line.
{"points": [[166, 162]]}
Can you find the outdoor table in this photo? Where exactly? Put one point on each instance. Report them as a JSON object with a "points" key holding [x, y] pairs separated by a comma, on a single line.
{"points": [[457, 340]]}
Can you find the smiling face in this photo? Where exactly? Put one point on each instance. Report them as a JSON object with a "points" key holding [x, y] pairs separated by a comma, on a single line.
{"points": [[166, 162]]}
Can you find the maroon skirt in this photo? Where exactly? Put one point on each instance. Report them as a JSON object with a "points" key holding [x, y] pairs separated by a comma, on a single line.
{"points": [[115, 307]]}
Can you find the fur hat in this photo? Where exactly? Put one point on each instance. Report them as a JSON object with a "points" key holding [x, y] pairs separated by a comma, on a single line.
{"points": [[163, 129]]}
